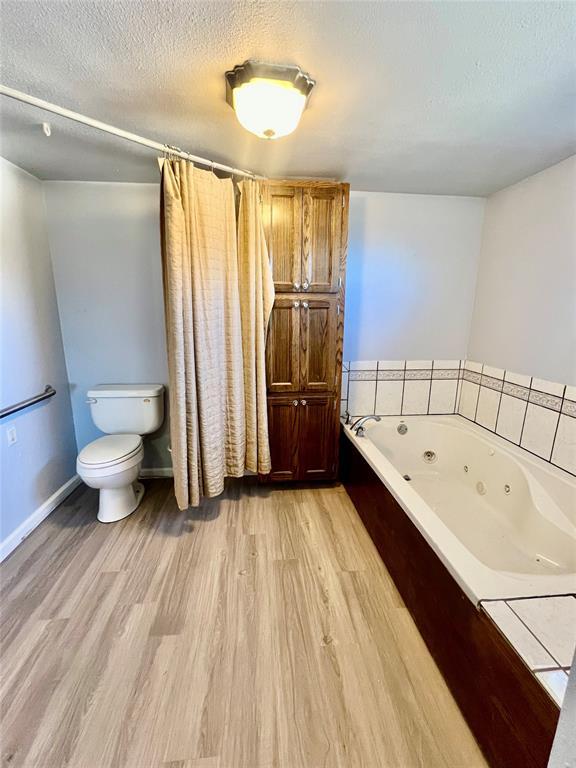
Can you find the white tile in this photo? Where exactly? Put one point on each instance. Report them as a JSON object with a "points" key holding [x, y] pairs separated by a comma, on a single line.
{"points": [[468, 399], [343, 407], [553, 621], [519, 636], [443, 396], [418, 364], [551, 387], [346, 365], [344, 383], [471, 365], [389, 398], [564, 452], [539, 429], [511, 418], [517, 378], [391, 365], [446, 364], [458, 393], [570, 393], [363, 365], [555, 682], [361, 397], [496, 373], [488, 402], [416, 394]]}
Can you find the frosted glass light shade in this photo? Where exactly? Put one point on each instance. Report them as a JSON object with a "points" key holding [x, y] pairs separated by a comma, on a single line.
{"points": [[268, 98], [268, 108]]}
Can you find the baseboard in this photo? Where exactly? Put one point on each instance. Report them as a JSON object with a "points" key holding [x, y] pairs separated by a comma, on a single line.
{"points": [[156, 472], [33, 521]]}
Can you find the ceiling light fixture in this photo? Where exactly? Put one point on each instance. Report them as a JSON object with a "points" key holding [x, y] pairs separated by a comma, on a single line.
{"points": [[268, 98]]}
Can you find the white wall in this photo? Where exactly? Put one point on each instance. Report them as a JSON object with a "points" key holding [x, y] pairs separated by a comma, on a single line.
{"points": [[43, 458], [525, 310], [104, 239], [411, 272]]}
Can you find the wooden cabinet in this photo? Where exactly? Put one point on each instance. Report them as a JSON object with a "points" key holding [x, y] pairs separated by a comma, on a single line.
{"points": [[303, 226], [283, 429], [282, 210], [318, 419], [301, 342], [302, 444], [282, 346], [322, 214], [306, 225], [317, 336]]}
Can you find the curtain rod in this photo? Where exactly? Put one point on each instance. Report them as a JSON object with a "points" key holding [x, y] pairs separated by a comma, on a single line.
{"points": [[12, 93]]}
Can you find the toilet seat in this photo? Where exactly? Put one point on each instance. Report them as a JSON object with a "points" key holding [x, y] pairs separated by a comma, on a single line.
{"points": [[110, 454]]}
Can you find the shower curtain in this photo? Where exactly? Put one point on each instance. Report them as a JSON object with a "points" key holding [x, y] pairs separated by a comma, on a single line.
{"points": [[210, 388], [256, 300]]}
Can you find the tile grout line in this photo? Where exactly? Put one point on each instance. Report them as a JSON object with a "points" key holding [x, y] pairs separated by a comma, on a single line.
{"points": [[557, 424], [525, 413], [430, 388], [521, 620], [403, 385]]}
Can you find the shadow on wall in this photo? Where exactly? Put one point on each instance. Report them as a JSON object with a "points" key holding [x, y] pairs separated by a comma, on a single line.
{"points": [[381, 290]]}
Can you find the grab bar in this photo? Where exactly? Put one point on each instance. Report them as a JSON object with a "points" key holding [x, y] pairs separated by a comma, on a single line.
{"points": [[49, 391]]}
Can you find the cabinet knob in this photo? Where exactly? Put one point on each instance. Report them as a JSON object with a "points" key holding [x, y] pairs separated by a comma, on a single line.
{"points": [[296, 304], [296, 286], [305, 285], [302, 402], [305, 304], [294, 402]]}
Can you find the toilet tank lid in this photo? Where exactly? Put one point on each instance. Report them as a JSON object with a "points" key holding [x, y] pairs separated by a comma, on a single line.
{"points": [[126, 390]]}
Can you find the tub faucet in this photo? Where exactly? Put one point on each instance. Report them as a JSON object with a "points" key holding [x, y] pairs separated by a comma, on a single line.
{"points": [[358, 425]]}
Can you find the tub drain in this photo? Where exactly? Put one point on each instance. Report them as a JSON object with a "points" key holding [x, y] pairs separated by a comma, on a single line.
{"points": [[429, 457]]}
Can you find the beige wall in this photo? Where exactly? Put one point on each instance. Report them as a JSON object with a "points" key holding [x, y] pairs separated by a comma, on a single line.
{"points": [[525, 309], [44, 457], [411, 274]]}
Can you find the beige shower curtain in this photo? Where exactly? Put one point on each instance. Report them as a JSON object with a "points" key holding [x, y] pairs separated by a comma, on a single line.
{"points": [[204, 325], [256, 300]]}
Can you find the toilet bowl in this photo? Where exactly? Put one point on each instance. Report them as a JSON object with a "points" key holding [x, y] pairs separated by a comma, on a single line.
{"points": [[112, 464], [124, 412]]}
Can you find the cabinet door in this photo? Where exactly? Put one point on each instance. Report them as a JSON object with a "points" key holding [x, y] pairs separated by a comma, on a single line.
{"points": [[321, 239], [318, 325], [282, 210], [282, 371], [316, 454], [283, 418]]}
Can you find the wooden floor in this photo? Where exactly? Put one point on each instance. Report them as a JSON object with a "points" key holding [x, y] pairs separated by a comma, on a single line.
{"points": [[261, 631]]}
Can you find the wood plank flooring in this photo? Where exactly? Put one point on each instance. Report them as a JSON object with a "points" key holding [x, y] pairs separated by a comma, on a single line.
{"points": [[260, 631]]}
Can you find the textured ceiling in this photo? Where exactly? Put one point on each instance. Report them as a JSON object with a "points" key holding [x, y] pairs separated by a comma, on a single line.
{"points": [[433, 97]]}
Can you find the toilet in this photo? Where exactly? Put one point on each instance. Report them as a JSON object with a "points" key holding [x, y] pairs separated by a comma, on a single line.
{"points": [[112, 463]]}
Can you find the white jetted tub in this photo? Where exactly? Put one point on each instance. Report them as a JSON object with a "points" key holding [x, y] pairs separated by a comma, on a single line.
{"points": [[502, 522]]}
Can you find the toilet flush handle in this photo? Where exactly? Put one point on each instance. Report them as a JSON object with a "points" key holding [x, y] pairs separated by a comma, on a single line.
{"points": [[91, 400]]}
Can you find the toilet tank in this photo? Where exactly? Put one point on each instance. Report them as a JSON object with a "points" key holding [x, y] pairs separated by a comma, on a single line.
{"points": [[127, 408]]}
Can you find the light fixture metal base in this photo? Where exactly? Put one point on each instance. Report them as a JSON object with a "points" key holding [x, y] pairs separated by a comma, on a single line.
{"points": [[243, 73]]}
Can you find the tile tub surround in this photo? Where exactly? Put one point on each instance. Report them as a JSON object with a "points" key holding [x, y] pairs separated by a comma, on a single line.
{"points": [[400, 387], [542, 630], [536, 415]]}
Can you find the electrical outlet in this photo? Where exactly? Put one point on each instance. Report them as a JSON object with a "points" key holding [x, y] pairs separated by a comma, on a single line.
{"points": [[11, 435]]}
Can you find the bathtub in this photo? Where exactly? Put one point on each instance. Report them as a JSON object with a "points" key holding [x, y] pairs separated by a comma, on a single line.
{"points": [[501, 521]]}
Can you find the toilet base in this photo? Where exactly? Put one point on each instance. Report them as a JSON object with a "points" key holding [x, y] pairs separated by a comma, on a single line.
{"points": [[117, 503]]}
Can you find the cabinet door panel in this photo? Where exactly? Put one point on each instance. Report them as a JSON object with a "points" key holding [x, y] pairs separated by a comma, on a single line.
{"points": [[282, 370], [282, 209], [321, 238], [317, 443], [283, 418], [318, 325]]}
